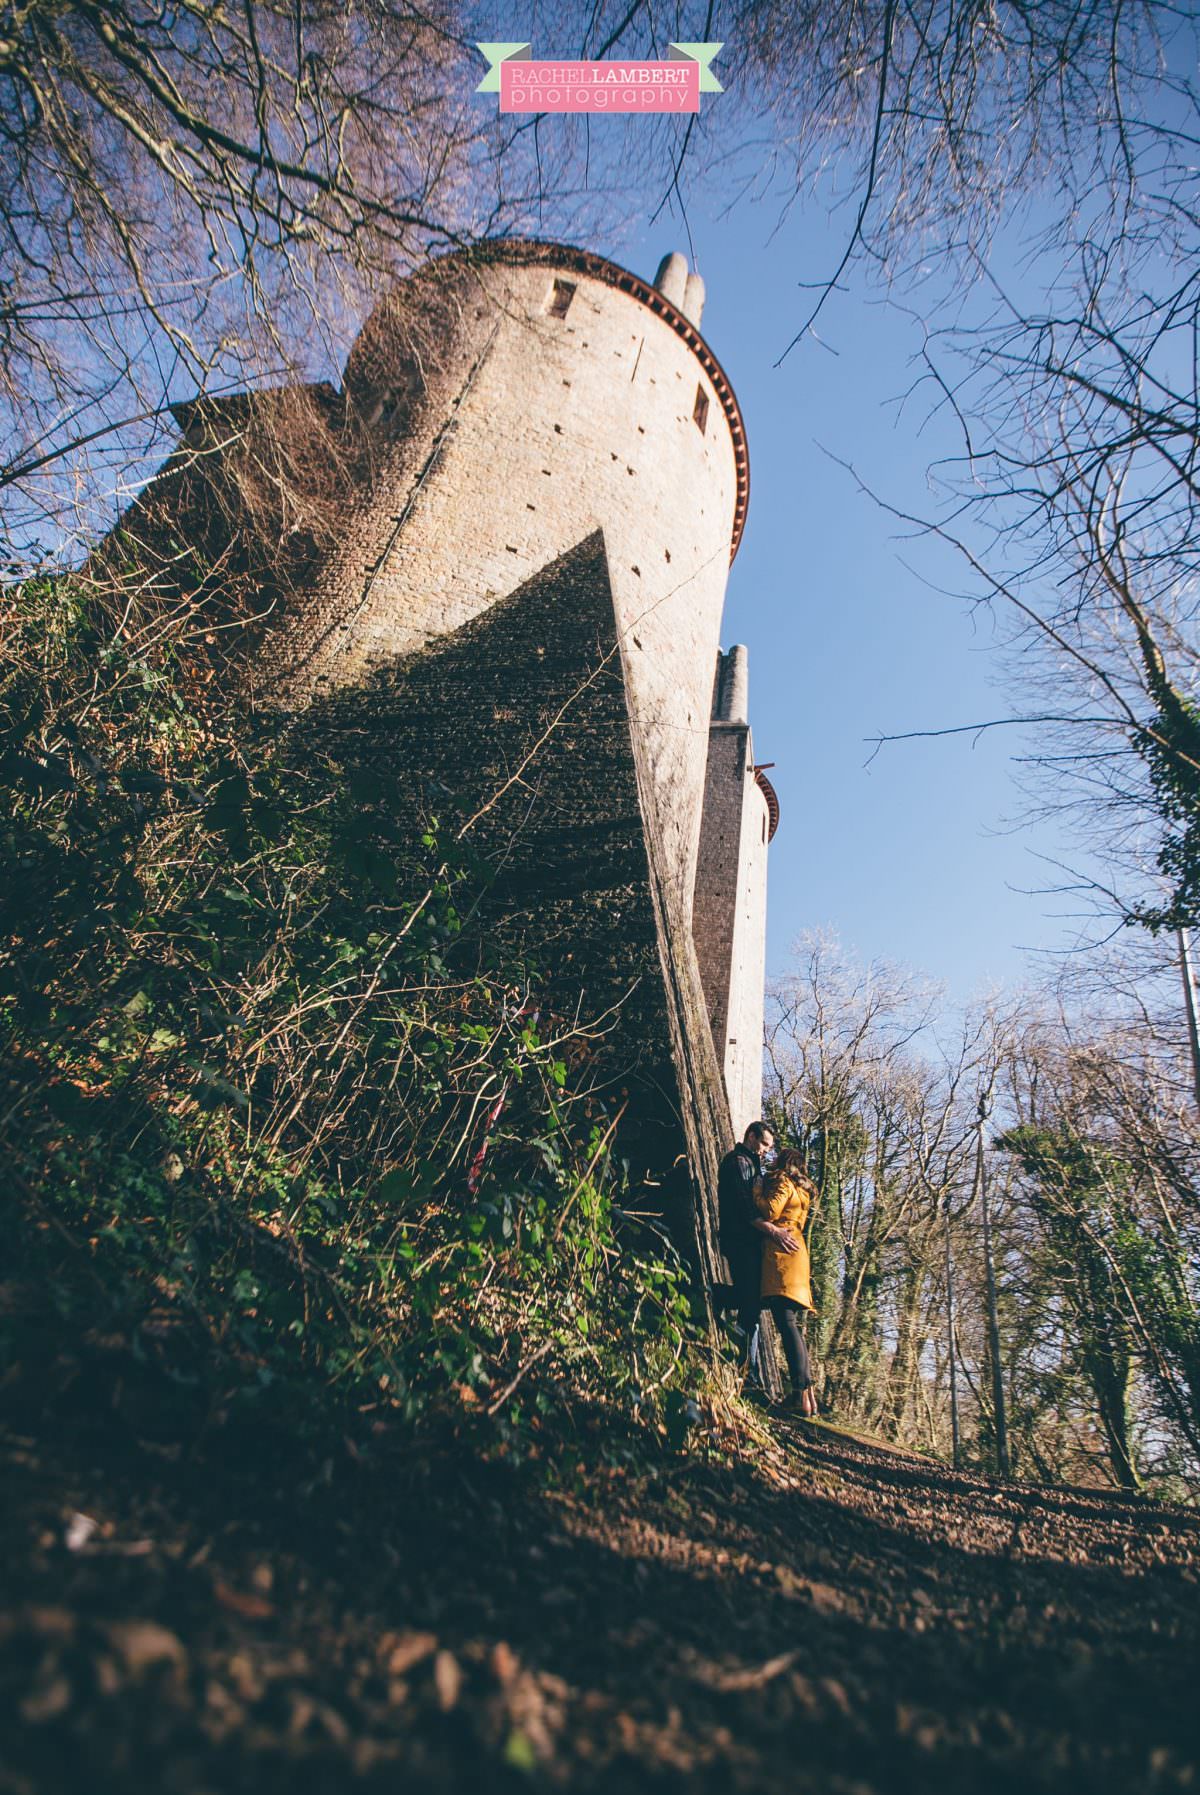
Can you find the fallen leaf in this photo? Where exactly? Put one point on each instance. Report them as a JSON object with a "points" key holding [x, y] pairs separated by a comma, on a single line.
{"points": [[406, 1650], [447, 1679], [143, 1643], [334, 1725], [242, 1602], [46, 1702], [836, 1693], [303, 1709], [108, 1677], [80, 1529], [245, 1676], [519, 1751], [753, 1676]]}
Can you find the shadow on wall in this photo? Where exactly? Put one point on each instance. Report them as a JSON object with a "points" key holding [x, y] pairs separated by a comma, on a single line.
{"points": [[514, 734]]}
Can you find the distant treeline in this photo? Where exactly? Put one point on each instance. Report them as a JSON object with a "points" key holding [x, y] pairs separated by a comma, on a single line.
{"points": [[1049, 1152]]}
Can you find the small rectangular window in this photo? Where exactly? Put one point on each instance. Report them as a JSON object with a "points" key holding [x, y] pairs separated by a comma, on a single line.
{"points": [[700, 409], [561, 295]]}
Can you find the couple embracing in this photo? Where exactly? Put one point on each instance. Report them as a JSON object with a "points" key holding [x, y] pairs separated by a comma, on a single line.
{"points": [[762, 1215]]}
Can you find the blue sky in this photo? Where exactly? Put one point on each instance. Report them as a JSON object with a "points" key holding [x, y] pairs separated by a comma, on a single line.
{"points": [[914, 857]]}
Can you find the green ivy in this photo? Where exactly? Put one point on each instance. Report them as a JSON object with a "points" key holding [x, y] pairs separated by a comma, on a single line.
{"points": [[317, 1151]]}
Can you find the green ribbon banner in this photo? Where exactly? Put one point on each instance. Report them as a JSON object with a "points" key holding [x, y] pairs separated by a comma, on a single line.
{"points": [[496, 54], [703, 54]]}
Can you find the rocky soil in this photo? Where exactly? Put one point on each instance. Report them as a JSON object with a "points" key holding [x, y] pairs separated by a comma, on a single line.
{"points": [[819, 1614]]}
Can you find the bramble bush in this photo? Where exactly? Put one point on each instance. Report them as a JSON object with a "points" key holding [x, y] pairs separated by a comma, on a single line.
{"points": [[290, 1135]]}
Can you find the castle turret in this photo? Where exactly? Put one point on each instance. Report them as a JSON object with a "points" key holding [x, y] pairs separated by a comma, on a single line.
{"points": [[672, 277], [522, 401]]}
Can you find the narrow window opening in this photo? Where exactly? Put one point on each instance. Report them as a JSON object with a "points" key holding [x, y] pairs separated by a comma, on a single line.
{"points": [[561, 295], [764, 831], [700, 410]]}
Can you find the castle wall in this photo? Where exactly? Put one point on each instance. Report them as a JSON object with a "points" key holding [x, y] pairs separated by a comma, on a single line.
{"points": [[518, 464], [729, 915], [530, 431], [743, 1052], [572, 885]]}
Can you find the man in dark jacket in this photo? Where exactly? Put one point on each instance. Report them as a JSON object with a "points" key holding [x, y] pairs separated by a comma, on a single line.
{"points": [[742, 1231]]}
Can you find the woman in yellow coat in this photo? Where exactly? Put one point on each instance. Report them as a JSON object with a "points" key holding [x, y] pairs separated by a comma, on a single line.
{"points": [[785, 1196]]}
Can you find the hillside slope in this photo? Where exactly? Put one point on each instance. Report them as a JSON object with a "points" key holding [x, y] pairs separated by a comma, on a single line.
{"points": [[816, 1613]]}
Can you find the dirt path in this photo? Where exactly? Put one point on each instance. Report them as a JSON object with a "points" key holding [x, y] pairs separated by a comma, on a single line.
{"points": [[831, 1617]]}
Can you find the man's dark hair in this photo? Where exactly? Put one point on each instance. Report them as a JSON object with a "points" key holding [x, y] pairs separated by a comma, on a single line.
{"points": [[758, 1129]]}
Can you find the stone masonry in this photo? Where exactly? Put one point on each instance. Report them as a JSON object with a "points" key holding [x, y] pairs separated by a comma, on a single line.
{"points": [[729, 917], [546, 443]]}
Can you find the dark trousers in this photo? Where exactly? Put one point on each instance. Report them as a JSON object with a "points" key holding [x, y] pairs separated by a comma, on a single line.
{"points": [[745, 1271], [788, 1319]]}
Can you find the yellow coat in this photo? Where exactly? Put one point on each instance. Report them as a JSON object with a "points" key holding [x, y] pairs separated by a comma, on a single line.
{"points": [[786, 1199]]}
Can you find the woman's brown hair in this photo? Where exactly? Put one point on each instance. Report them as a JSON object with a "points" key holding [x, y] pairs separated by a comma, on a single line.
{"points": [[791, 1160]]}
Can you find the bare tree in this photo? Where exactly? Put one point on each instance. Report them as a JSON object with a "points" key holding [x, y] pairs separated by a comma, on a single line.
{"points": [[1077, 517], [1006, 1242], [193, 199], [890, 1134]]}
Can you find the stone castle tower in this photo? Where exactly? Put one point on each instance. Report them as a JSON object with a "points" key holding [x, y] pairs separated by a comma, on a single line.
{"points": [[532, 578]]}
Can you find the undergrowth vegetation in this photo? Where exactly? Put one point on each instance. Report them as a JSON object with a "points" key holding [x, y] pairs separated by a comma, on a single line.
{"points": [[291, 1140]]}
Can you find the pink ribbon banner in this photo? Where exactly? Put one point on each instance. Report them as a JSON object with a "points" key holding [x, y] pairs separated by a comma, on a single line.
{"points": [[600, 86], [670, 85]]}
